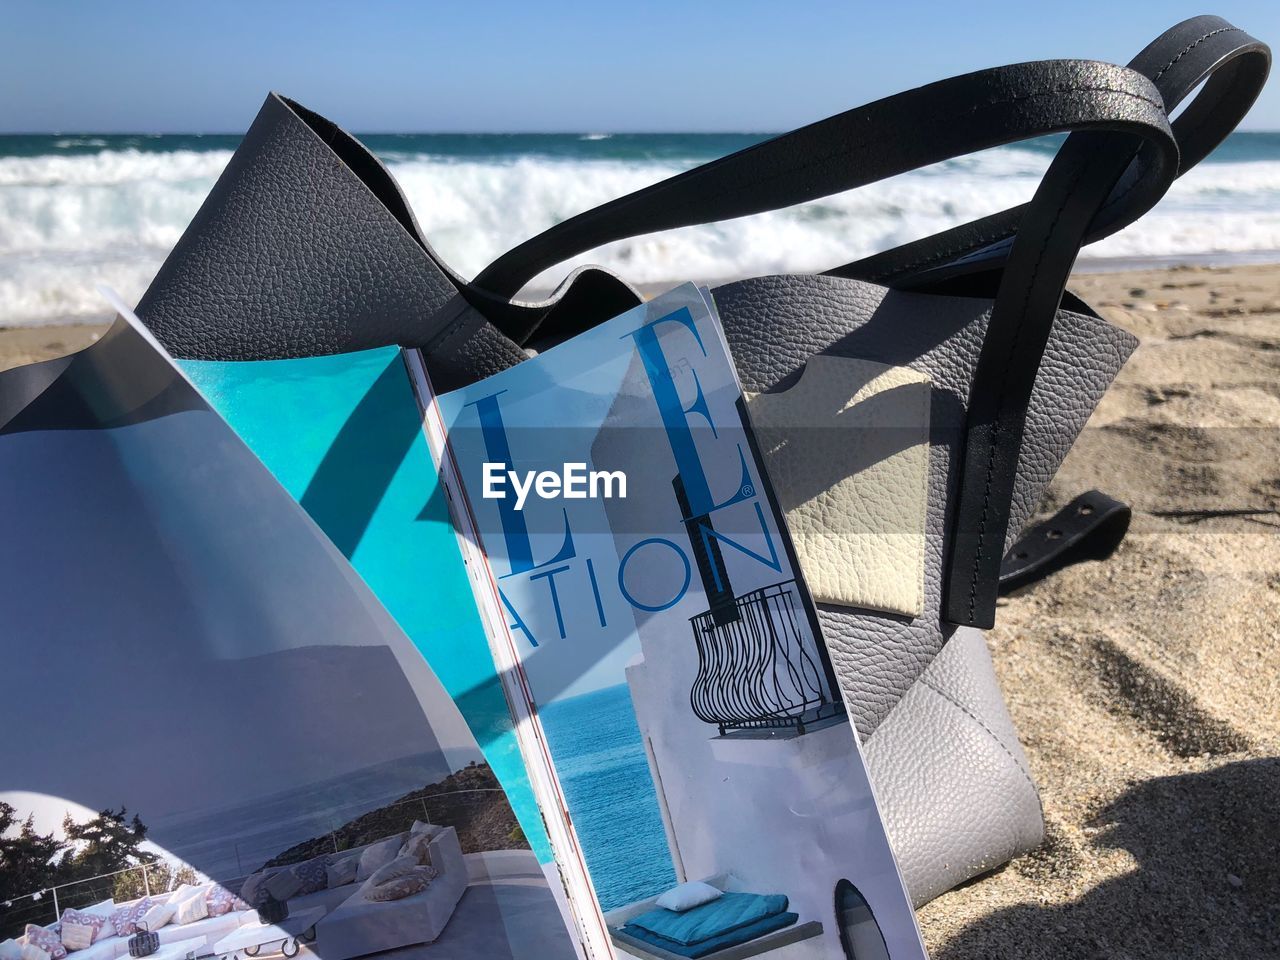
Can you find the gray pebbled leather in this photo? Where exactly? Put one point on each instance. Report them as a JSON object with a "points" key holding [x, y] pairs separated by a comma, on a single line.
{"points": [[950, 776], [263, 264], [774, 324]]}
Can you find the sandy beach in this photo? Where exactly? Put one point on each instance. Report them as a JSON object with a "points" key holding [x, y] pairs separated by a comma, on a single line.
{"points": [[1147, 687]]}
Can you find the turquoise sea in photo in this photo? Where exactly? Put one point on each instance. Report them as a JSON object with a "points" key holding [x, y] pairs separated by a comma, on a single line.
{"points": [[600, 757], [81, 210]]}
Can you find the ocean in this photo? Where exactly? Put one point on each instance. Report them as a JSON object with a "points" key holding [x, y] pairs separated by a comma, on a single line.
{"points": [[233, 841], [600, 758], [602, 765], [77, 211]]}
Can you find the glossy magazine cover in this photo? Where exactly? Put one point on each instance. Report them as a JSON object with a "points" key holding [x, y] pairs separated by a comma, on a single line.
{"points": [[647, 594]]}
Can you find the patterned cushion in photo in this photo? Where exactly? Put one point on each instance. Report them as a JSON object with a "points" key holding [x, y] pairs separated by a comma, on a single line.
{"points": [[341, 872], [82, 918], [312, 875], [379, 855], [125, 918], [219, 900], [399, 867], [400, 887], [417, 846], [46, 940], [76, 936], [254, 890], [104, 908]]}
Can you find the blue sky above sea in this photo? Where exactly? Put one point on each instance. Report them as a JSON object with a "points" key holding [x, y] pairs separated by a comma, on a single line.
{"points": [[506, 66]]}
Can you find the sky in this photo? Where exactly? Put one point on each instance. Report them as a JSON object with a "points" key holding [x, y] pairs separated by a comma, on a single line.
{"points": [[502, 66]]}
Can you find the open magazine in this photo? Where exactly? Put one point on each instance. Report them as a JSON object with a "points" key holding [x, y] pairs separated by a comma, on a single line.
{"points": [[345, 438], [218, 741], [702, 787]]}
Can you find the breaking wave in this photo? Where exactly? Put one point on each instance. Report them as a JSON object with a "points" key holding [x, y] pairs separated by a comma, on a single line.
{"points": [[77, 211]]}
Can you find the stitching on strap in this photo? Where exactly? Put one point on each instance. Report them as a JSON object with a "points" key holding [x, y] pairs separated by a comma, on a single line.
{"points": [[1004, 387], [946, 254], [1113, 202], [440, 341], [1189, 47]]}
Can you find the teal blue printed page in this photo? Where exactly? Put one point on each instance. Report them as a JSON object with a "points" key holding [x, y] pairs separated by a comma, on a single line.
{"points": [[344, 436]]}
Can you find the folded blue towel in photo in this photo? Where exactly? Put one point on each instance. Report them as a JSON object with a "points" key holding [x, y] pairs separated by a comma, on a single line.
{"points": [[726, 913], [724, 941]]}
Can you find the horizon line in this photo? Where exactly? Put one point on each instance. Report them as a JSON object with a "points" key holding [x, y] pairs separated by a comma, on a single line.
{"points": [[465, 133], [403, 133]]}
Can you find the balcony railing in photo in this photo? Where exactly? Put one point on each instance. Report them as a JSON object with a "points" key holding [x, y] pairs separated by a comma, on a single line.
{"points": [[757, 670]]}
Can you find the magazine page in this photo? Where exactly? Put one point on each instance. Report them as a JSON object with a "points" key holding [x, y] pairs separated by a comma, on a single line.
{"points": [[580, 902], [228, 747], [669, 650], [343, 435]]}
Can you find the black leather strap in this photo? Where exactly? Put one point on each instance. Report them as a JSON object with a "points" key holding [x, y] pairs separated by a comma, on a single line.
{"points": [[1090, 527], [904, 132], [1234, 63], [1034, 246], [1177, 62], [1123, 115], [1040, 259], [1053, 226]]}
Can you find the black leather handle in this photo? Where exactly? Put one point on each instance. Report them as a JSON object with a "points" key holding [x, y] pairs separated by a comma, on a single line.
{"points": [[1122, 117], [1053, 227], [1235, 66], [1085, 178], [904, 132], [1097, 184]]}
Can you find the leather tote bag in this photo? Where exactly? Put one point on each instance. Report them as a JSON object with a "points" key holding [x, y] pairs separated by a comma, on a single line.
{"points": [[306, 246]]}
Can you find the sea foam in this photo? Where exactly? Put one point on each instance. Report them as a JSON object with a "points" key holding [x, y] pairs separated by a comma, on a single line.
{"points": [[74, 220]]}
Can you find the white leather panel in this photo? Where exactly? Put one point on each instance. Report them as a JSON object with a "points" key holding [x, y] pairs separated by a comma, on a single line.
{"points": [[847, 450]]}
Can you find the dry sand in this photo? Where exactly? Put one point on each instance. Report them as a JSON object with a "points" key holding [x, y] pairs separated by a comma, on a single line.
{"points": [[23, 345], [1146, 687]]}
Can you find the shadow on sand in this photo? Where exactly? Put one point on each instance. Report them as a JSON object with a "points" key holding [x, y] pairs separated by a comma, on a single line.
{"points": [[1207, 882]]}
